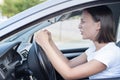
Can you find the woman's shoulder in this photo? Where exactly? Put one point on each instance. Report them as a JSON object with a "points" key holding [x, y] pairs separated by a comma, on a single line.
{"points": [[109, 48], [112, 47]]}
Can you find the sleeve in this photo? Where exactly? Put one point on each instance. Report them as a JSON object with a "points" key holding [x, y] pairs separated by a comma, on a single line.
{"points": [[87, 51], [106, 57], [90, 50]]}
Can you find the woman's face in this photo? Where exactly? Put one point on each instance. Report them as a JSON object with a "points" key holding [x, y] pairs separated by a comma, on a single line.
{"points": [[88, 27]]}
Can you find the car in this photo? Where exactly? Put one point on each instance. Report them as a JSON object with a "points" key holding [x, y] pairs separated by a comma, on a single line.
{"points": [[20, 56]]}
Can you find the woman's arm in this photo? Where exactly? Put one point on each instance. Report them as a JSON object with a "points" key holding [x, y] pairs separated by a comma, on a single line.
{"points": [[58, 52], [61, 65], [73, 62], [78, 60]]}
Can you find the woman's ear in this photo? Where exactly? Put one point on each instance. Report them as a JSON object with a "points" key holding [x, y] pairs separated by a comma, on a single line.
{"points": [[98, 25]]}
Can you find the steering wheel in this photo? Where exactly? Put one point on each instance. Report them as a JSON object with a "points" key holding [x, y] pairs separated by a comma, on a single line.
{"points": [[39, 64]]}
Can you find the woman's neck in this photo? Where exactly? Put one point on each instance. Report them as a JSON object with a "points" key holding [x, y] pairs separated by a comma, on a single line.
{"points": [[99, 45]]}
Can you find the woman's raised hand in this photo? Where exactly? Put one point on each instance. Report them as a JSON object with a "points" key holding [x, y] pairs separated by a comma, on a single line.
{"points": [[42, 37]]}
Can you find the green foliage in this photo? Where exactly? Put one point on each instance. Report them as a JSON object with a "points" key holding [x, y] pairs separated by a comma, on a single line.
{"points": [[12, 7]]}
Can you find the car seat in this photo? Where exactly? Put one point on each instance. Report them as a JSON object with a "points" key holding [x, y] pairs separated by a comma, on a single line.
{"points": [[118, 44]]}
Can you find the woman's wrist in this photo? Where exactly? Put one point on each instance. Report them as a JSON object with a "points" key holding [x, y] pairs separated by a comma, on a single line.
{"points": [[46, 44]]}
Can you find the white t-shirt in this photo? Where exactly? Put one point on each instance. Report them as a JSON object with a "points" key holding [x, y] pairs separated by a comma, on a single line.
{"points": [[108, 55]]}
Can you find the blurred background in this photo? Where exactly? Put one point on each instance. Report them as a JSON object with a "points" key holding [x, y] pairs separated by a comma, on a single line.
{"points": [[9, 8]]}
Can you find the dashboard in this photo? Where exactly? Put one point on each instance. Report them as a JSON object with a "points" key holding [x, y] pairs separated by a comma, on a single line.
{"points": [[9, 58]]}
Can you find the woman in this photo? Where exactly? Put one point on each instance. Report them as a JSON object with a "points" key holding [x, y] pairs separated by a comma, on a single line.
{"points": [[100, 61]]}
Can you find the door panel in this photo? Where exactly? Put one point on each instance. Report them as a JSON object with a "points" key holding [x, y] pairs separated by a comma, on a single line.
{"points": [[71, 53]]}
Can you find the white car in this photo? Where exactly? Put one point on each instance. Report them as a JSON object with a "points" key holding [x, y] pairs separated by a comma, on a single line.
{"points": [[20, 56]]}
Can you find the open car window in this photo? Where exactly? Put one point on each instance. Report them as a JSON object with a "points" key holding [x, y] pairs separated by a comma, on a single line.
{"points": [[64, 29]]}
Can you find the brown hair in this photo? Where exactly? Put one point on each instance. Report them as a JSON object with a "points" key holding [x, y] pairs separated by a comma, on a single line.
{"points": [[105, 16]]}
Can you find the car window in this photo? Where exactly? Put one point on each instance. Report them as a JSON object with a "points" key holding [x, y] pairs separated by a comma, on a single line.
{"points": [[66, 33]]}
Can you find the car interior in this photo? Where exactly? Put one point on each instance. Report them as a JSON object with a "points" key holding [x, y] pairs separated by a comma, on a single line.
{"points": [[25, 60]]}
